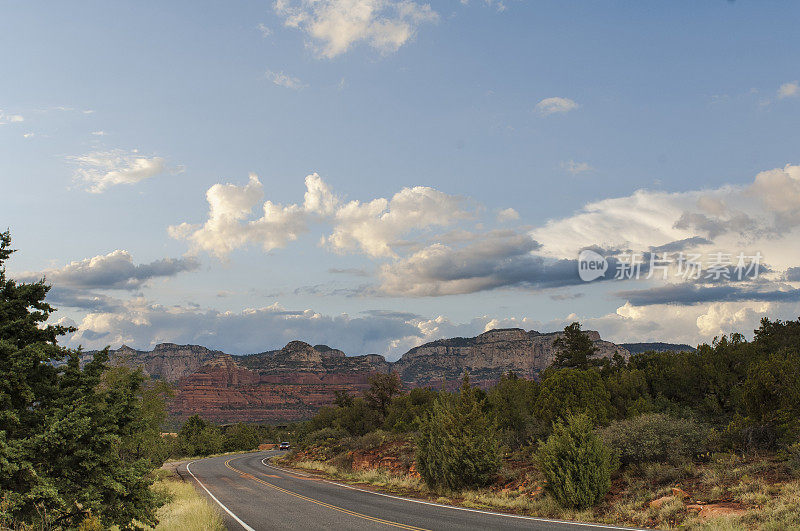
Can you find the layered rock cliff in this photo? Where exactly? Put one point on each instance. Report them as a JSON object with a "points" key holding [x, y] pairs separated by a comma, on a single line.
{"points": [[295, 381], [283, 385], [167, 361], [487, 357]]}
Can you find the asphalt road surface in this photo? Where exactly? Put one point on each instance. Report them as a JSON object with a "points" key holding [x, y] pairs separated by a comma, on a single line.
{"points": [[254, 495]]}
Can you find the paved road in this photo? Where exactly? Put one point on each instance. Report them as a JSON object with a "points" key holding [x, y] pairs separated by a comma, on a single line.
{"points": [[255, 495]]}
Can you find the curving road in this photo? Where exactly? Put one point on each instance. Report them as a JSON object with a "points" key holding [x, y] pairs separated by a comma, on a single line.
{"points": [[255, 495]]}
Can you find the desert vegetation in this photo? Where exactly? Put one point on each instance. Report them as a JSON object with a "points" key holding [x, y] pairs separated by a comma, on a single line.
{"points": [[699, 438]]}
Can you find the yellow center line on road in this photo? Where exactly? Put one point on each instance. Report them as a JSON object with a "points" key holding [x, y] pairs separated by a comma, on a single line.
{"points": [[323, 504]]}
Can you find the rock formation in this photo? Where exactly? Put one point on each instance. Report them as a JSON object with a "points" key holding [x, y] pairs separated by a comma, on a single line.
{"points": [[486, 357], [283, 385], [295, 381], [167, 361]]}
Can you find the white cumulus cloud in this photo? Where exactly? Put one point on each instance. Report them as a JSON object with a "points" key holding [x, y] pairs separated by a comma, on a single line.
{"points": [[101, 170], [762, 216], [336, 25], [556, 105], [374, 227], [114, 270], [788, 90], [228, 227]]}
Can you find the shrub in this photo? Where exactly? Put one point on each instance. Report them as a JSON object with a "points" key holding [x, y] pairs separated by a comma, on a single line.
{"points": [[324, 443], [576, 463], [573, 391], [456, 445], [325, 437], [655, 437], [242, 437], [369, 441], [198, 437]]}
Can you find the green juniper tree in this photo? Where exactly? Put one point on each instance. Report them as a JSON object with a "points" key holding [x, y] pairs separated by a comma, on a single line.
{"points": [[62, 430], [576, 463], [456, 445]]}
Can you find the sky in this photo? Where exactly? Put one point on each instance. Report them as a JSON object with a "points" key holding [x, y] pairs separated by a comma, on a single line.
{"points": [[375, 174]]}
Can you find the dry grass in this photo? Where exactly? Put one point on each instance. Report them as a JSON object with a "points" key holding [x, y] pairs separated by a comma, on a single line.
{"points": [[187, 510], [375, 477]]}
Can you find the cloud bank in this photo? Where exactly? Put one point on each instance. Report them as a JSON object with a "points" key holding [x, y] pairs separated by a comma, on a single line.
{"points": [[114, 270]]}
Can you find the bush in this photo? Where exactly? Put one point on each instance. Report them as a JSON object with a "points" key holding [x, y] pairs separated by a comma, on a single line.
{"points": [[325, 437], [243, 437], [197, 437], [573, 391], [370, 441], [576, 463], [655, 437], [456, 445]]}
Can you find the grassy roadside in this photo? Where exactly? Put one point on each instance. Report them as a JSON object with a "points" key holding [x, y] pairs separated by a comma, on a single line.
{"points": [[186, 509], [726, 493]]}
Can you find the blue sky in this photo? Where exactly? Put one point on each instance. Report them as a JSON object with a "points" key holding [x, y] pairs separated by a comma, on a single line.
{"points": [[618, 125]]}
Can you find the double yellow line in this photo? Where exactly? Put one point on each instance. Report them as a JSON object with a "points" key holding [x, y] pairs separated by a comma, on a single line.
{"points": [[323, 504]]}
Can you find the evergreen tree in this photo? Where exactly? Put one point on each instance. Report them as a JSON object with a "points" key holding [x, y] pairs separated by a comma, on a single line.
{"points": [[457, 446], [574, 349], [382, 388], [576, 463], [61, 430], [512, 403], [197, 437]]}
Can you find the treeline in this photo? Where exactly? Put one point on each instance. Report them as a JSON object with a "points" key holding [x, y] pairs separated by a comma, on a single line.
{"points": [[584, 418], [197, 438]]}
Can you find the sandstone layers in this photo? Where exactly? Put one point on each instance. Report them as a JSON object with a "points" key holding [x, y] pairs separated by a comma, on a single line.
{"points": [[293, 382]]}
